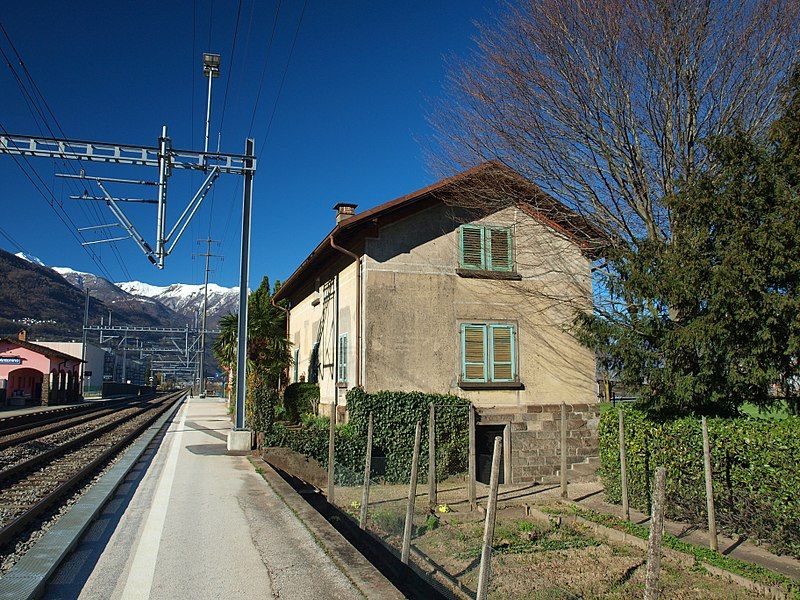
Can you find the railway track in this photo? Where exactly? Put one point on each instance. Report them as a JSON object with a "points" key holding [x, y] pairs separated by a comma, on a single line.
{"points": [[22, 433], [37, 474], [15, 424]]}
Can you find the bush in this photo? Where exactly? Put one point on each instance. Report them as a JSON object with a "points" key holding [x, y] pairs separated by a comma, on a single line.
{"points": [[395, 415], [754, 463], [300, 399], [394, 420]]}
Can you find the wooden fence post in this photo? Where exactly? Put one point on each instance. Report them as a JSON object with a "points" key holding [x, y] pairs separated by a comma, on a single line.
{"points": [[656, 534], [488, 526], [712, 517], [623, 468], [362, 521], [432, 456], [331, 452], [412, 494], [471, 459], [563, 450]]}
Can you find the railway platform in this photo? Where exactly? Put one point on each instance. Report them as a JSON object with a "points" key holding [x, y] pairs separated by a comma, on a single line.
{"points": [[191, 521]]}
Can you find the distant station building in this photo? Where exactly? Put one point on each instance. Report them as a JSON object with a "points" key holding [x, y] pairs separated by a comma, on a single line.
{"points": [[32, 372], [94, 369]]}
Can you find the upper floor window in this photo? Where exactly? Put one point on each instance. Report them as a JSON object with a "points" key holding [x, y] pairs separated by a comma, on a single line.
{"points": [[486, 248]]}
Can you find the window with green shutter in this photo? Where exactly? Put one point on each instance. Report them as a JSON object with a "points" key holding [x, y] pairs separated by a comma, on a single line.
{"points": [[296, 365], [488, 353], [486, 248]]}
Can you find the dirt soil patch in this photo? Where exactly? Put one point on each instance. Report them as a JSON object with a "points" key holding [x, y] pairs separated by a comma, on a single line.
{"points": [[530, 559]]}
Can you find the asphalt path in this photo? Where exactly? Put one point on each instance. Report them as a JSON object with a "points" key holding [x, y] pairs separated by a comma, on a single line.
{"points": [[193, 522]]}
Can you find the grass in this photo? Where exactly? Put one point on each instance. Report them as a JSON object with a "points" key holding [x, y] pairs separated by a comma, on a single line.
{"points": [[753, 572], [524, 537]]}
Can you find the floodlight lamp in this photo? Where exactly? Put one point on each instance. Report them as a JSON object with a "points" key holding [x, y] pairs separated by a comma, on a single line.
{"points": [[211, 64]]}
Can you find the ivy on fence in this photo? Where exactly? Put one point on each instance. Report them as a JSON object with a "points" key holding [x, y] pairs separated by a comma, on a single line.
{"points": [[754, 464]]}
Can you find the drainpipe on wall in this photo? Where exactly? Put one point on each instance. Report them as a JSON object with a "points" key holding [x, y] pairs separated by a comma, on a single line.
{"points": [[357, 258]]}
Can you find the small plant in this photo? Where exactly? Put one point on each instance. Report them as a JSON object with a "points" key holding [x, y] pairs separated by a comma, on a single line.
{"points": [[390, 522], [444, 508], [355, 504], [432, 522]]}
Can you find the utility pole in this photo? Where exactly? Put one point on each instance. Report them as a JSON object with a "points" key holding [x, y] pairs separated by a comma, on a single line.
{"points": [[202, 367], [83, 345]]}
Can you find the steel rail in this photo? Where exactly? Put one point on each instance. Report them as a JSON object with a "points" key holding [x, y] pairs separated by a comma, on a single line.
{"points": [[21, 521], [8, 438], [15, 423], [44, 457]]}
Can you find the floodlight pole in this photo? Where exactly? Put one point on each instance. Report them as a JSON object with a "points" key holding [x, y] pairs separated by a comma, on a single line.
{"points": [[244, 272], [208, 111]]}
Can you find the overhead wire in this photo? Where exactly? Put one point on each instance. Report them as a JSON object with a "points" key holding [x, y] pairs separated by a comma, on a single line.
{"points": [[224, 105], [278, 94], [98, 219]]}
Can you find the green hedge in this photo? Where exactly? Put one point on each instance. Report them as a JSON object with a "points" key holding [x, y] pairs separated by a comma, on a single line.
{"points": [[754, 463], [394, 419], [300, 399]]}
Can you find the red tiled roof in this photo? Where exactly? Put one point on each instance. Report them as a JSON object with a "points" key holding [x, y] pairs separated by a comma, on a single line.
{"points": [[546, 210]]}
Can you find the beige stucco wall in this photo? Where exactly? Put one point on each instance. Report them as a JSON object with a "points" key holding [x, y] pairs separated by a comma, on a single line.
{"points": [[416, 302], [309, 322]]}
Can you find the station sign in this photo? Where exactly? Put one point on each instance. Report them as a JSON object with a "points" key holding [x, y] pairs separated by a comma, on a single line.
{"points": [[10, 360], [87, 373]]}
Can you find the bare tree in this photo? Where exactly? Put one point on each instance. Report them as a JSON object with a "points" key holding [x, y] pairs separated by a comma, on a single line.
{"points": [[605, 104]]}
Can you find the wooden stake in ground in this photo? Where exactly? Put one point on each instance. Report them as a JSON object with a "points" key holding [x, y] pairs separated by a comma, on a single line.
{"points": [[331, 453], [362, 521], [432, 456], [712, 517], [563, 450], [412, 494], [488, 526], [623, 468], [656, 534], [473, 501]]}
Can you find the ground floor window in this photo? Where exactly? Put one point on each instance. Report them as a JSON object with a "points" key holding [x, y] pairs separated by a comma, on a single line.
{"points": [[342, 367], [488, 352]]}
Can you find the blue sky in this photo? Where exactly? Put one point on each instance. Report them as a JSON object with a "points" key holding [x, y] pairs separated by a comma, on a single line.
{"points": [[350, 122]]}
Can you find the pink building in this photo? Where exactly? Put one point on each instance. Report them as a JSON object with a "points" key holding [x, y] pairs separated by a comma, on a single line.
{"points": [[35, 372]]}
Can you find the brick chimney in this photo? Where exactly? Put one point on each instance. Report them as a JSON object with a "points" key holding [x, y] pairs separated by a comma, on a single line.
{"points": [[22, 336], [344, 211]]}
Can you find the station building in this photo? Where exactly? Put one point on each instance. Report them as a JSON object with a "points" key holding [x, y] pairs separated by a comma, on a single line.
{"points": [[32, 372]]}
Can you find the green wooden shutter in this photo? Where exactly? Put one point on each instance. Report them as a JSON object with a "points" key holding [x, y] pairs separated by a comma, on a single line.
{"points": [[296, 365], [500, 249], [471, 242], [503, 352], [473, 352]]}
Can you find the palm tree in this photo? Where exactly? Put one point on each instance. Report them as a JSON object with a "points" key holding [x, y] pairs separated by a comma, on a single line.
{"points": [[268, 350], [224, 348]]}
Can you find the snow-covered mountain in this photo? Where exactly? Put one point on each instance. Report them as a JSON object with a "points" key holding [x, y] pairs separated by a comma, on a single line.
{"points": [[178, 303], [187, 299], [30, 258], [140, 309]]}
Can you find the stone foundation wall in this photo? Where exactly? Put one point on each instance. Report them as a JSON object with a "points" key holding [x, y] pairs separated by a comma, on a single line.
{"points": [[535, 436]]}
